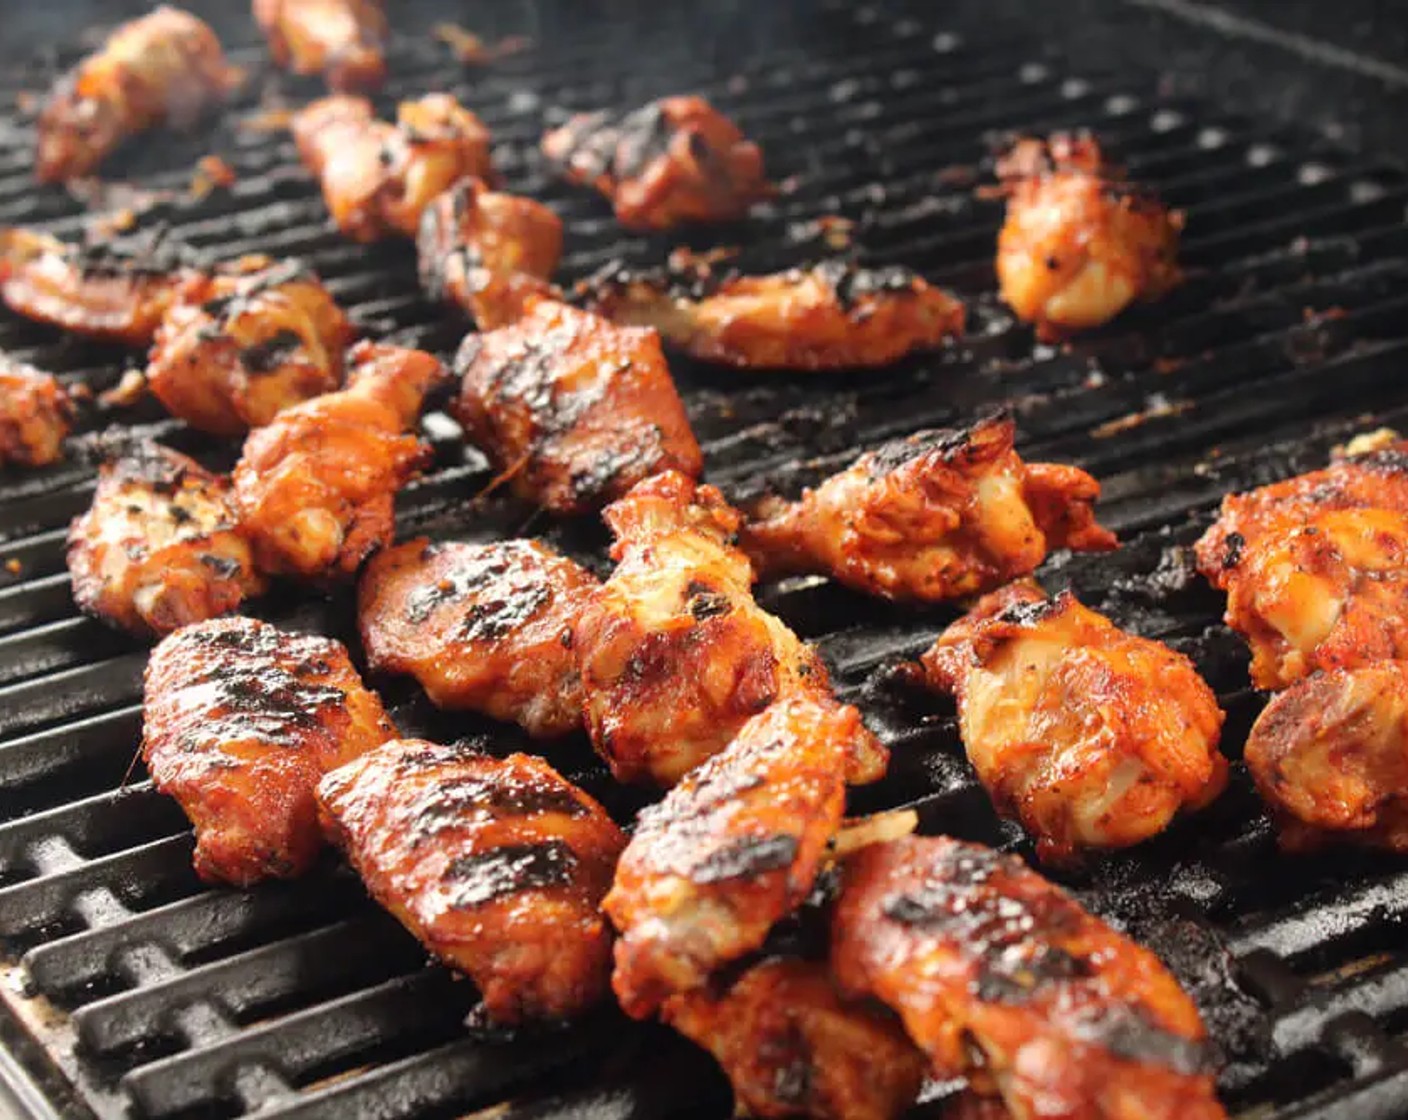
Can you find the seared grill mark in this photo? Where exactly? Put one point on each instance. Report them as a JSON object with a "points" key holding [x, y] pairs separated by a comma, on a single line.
{"points": [[744, 857], [265, 357], [850, 282], [1032, 611], [1127, 1034], [508, 569], [948, 442], [456, 801], [483, 877], [267, 702], [1232, 545]]}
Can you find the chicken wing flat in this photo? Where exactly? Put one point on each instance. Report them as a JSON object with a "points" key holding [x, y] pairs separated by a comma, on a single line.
{"points": [[573, 410], [793, 1046], [240, 720], [316, 487], [674, 161], [732, 849], [938, 515], [487, 252], [497, 865], [1316, 567], [1002, 976], [1079, 244], [344, 40], [1088, 735], [378, 178], [35, 415], [159, 547], [263, 338], [486, 627], [834, 315], [167, 67]]}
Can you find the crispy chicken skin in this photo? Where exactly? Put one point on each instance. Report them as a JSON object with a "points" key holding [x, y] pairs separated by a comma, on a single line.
{"points": [[1079, 244], [573, 410], [1088, 735], [343, 40], [1316, 567], [240, 720], [262, 338], [675, 161], [793, 1046], [316, 487], [731, 850], [938, 515], [486, 627], [35, 415], [497, 865], [487, 251], [1000, 975], [159, 547], [1330, 757], [166, 67], [378, 178], [834, 315]]}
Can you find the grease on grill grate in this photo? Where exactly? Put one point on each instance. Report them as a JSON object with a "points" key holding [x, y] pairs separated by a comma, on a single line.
{"points": [[152, 991]]}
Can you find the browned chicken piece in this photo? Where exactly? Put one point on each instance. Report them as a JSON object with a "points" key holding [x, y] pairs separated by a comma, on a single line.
{"points": [[1001, 976], [732, 849], [316, 487], [377, 177], [344, 40], [487, 252], [794, 1046], [834, 315], [35, 415], [1316, 567], [159, 548], [572, 410], [486, 627], [497, 865], [240, 720], [165, 68], [938, 515], [1330, 757], [1090, 736], [263, 338], [1079, 244], [675, 161]]}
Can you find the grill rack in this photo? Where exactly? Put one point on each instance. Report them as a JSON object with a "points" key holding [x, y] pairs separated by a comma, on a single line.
{"points": [[157, 997]]}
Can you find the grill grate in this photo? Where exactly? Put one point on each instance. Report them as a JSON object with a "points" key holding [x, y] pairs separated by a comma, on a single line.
{"points": [[157, 997]]}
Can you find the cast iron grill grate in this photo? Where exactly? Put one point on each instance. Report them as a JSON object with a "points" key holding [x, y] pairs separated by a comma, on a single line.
{"points": [[157, 997]]}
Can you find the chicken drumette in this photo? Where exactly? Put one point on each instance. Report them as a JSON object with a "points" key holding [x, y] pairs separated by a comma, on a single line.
{"points": [[938, 515], [481, 626], [343, 40], [573, 410], [999, 975], [497, 865], [241, 720], [159, 548], [35, 415], [674, 161], [834, 315]]}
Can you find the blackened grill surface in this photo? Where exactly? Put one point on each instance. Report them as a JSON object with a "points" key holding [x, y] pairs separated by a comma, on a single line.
{"points": [[156, 997]]}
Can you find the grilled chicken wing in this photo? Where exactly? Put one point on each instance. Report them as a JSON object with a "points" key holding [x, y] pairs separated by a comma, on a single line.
{"points": [[487, 251], [1316, 567], [732, 849], [793, 1046], [240, 720], [481, 626], [1000, 975], [831, 316], [261, 339], [1090, 736], [497, 866], [674, 161], [159, 547], [1079, 244], [343, 40], [378, 178], [573, 410], [316, 487], [35, 415], [938, 515], [167, 67]]}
